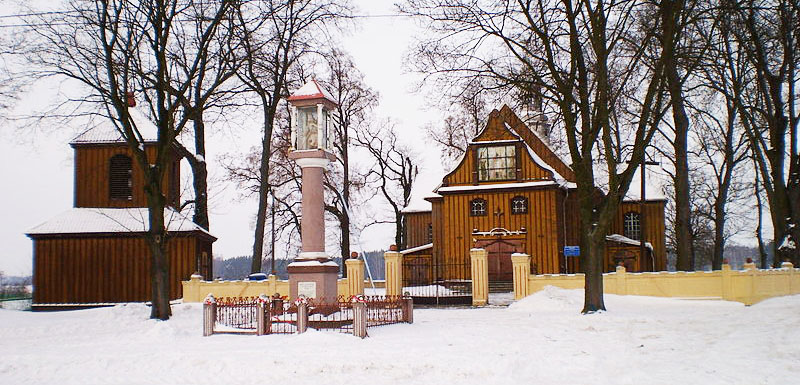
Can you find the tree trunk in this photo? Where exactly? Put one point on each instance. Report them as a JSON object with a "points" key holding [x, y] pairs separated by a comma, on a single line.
{"points": [[200, 175], [762, 252], [670, 17], [263, 188], [157, 240], [593, 242]]}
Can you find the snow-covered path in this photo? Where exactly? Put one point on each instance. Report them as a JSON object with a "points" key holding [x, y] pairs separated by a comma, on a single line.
{"points": [[540, 340]]}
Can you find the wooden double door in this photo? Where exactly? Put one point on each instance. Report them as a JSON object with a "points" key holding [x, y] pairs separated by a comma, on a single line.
{"points": [[499, 258]]}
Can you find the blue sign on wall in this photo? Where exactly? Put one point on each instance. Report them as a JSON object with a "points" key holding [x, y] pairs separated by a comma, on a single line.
{"points": [[572, 251]]}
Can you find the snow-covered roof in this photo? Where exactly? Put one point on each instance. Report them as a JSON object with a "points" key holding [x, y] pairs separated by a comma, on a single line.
{"points": [[418, 248], [83, 220], [106, 130], [623, 239], [312, 90], [542, 183]]}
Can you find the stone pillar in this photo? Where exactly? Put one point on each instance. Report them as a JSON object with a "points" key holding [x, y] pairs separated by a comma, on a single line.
{"points": [[209, 315], [302, 317], [355, 276], [408, 310], [262, 317], [360, 319], [479, 259], [522, 271], [393, 262], [312, 273]]}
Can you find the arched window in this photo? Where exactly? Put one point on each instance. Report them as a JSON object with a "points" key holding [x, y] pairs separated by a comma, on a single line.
{"points": [[120, 182], [477, 207], [632, 226], [519, 205]]}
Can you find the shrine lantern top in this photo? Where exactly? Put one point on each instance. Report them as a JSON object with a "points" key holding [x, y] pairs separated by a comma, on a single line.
{"points": [[310, 117]]}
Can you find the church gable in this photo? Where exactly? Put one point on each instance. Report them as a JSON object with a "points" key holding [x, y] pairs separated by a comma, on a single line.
{"points": [[502, 153]]}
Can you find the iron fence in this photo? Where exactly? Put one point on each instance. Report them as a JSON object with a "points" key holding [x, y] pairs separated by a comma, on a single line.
{"points": [[262, 315], [431, 282]]}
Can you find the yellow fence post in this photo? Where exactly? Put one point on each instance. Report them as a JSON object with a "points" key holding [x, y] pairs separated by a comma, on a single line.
{"points": [[521, 264], [394, 271], [479, 259], [355, 276], [622, 280], [794, 288], [727, 282]]}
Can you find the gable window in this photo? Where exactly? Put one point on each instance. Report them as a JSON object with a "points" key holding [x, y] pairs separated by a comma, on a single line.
{"points": [[477, 207], [519, 205], [632, 226], [120, 182], [497, 163]]}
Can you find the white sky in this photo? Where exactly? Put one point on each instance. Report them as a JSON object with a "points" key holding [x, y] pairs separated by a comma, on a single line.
{"points": [[36, 166]]}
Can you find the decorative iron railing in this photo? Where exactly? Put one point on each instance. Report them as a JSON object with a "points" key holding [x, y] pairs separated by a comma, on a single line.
{"points": [[263, 315]]}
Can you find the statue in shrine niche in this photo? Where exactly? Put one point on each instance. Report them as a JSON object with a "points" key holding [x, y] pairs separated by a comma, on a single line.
{"points": [[311, 136]]}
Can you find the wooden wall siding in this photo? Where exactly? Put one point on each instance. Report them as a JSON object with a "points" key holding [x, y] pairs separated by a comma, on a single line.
{"points": [[654, 227], [541, 240], [508, 116], [105, 269], [417, 229], [438, 228], [92, 177]]}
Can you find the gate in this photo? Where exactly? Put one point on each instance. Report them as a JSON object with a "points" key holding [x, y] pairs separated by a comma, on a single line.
{"points": [[431, 282]]}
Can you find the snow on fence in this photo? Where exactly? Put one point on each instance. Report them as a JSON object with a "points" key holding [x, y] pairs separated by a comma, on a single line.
{"points": [[265, 315], [747, 286]]}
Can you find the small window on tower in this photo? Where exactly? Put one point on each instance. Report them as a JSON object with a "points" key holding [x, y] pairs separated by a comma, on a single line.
{"points": [[632, 226], [120, 178], [477, 207]]}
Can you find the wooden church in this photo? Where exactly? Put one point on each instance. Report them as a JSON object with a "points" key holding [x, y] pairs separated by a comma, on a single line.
{"points": [[95, 253], [512, 193]]}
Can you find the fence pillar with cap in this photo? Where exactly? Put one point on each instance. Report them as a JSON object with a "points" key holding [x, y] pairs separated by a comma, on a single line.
{"points": [[355, 275], [394, 271], [479, 259], [521, 265], [360, 319], [209, 315], [302, 317]]}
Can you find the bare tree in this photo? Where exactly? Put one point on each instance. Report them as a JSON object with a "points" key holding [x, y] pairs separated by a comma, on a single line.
{"points": [[465, 120], [275, 35], [355, 101], [587, 59], [767, 33], [118, 46], [394, 173]]}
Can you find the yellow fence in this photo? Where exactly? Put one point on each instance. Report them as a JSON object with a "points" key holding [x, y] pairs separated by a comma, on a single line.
{"points": [[195, 289], [747, 286]]}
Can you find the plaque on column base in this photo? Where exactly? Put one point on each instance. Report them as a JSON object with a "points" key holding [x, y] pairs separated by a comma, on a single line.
{"points": [[314, 278]]}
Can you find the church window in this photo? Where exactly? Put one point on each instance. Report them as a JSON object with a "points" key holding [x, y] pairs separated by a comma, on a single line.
{"points": [[120, 178], [632, 225], [519, 205], [497, 163], [477, 207]]}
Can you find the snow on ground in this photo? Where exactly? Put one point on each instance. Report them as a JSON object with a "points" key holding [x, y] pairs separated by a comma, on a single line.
{"points": [[540, 340]]}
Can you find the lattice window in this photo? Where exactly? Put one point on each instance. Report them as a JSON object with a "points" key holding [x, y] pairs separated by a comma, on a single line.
{"points": [[519, 205], [632, 226], [497, 163], [477, 207], [120, 180]]}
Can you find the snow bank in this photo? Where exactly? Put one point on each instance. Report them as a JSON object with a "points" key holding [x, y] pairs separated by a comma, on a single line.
{"points": [[542, 339]]}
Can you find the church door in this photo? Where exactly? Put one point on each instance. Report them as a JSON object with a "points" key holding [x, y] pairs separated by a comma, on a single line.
{"points": [[500, 268]]}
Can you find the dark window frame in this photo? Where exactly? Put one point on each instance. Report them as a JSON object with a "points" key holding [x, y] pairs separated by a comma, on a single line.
{"points": [[522, 200], [632, 225], [473, 207], [120, 177]]}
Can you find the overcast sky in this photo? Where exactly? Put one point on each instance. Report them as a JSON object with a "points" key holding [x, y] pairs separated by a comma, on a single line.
{"points": [[36, 165]]}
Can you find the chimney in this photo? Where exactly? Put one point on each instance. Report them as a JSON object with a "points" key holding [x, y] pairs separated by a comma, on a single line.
{"points": [[130, 99]]}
